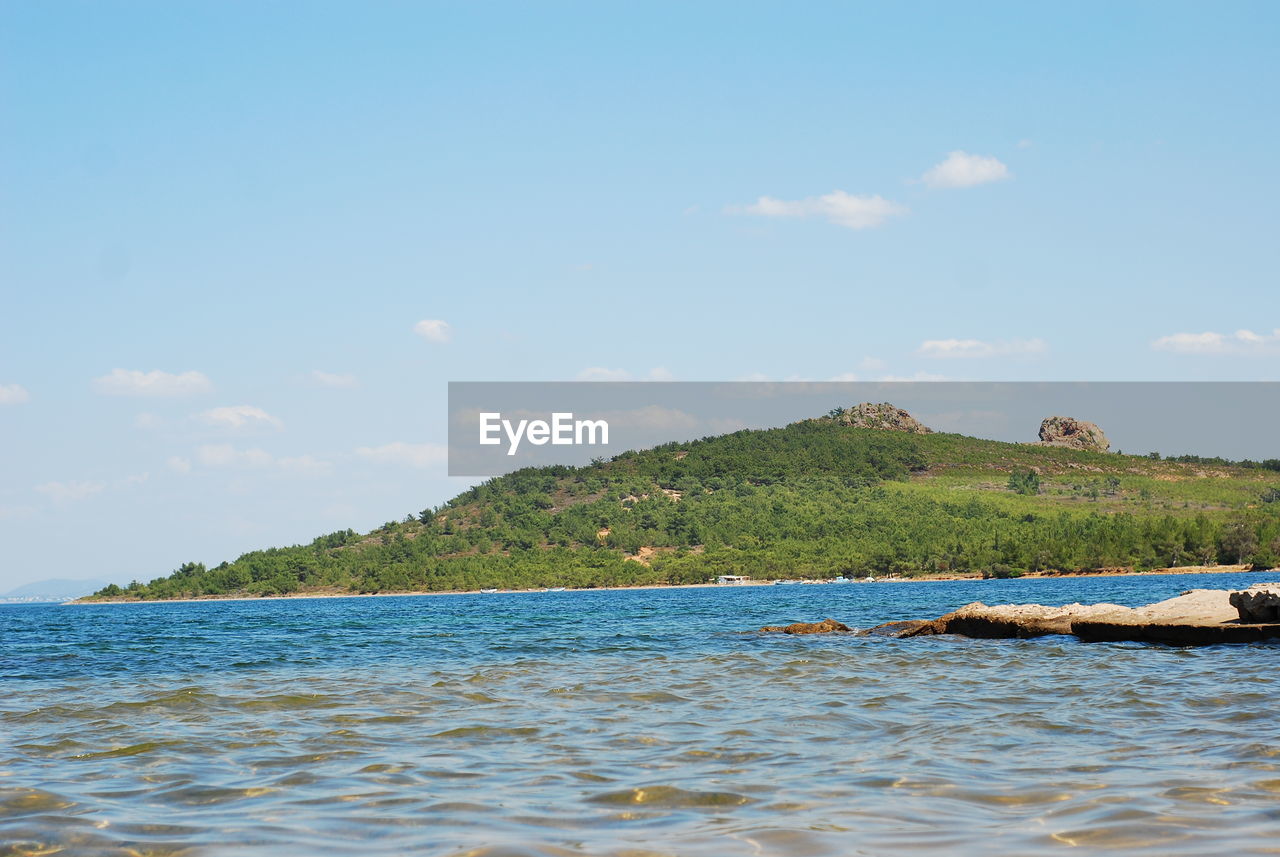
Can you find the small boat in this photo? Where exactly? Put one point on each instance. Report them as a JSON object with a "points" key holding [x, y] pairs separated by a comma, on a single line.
{"points": [[555, 589], [488, 591]]}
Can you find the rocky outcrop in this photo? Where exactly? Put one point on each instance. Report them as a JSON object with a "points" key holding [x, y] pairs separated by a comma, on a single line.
{"points": [[883, 416], [1199, 617], [1010, 620], [1073, 433], [1258, 603], [826, 626]]}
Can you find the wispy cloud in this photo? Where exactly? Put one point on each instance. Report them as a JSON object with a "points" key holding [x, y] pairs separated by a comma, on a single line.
{"points": [[226, 455], [961, 348], [843, 209], [1242, 342], [962, 169], [132, 382], [914, 377], [336, 380], [600, 373], [305, 465], [13, 394], [67, 492], [240, 417], [434, 330], [409, 454]]}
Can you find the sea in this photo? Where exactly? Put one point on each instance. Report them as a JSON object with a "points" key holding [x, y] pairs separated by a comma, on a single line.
{"points": [[628, 722]]}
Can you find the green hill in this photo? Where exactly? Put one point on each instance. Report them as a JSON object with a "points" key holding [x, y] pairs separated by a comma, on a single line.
{"points": [[814, 499]]}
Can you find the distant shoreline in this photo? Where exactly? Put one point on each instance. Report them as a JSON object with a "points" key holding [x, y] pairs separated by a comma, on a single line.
{"points": [[294, 596]]}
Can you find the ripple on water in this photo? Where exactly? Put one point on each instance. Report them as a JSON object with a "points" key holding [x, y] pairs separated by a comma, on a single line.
{"points": [[670, 797], [596, 723]]}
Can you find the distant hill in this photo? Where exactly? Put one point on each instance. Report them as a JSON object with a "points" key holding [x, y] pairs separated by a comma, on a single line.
{"points": [[818, 498], [57, 589]]}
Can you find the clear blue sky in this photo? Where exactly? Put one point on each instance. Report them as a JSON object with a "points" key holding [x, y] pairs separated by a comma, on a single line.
{"points": [[203, 205]]}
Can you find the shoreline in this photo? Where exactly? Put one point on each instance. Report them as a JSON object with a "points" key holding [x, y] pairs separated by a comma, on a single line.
{"points": [[294, 596]]}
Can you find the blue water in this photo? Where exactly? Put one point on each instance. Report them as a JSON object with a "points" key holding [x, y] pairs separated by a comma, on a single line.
{"points": [[627, 722]]}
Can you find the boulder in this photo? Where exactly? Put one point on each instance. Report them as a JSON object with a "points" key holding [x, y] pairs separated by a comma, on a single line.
{"points": [[1073, 433], [826, 626], [883, 416], [1009, 620], [1200, 617], [1258, 603]]}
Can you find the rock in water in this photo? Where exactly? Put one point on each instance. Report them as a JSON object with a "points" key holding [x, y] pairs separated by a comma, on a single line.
{"points": [[1258, 603], [1073, 433], [883, 416], [826, 626], [1199, 617]]}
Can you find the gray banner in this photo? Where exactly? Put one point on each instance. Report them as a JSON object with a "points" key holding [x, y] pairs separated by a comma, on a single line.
{"points": [[497, 427]]}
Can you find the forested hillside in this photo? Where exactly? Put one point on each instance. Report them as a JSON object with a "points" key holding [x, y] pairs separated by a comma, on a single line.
{"points": [[814, 499]]}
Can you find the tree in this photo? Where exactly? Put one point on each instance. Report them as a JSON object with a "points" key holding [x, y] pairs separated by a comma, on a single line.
{"points": [[1024, 482]]}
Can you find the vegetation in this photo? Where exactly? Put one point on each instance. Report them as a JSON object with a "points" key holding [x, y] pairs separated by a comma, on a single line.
{"points": [[814, 499]]}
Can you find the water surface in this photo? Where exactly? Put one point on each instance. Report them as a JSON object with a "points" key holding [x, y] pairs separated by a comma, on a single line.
{"points": [[629, 723]]}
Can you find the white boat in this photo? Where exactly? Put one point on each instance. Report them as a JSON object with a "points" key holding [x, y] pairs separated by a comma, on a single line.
{"points": [[488, 591]]}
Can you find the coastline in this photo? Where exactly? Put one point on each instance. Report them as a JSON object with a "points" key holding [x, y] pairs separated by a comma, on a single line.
{"points": [[293, 596]]}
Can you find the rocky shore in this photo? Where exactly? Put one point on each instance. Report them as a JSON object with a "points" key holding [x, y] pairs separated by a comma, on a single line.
{"points": [[1199, 617]]}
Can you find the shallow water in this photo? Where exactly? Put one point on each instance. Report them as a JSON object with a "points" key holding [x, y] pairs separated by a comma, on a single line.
{"points": [[630, 723]]}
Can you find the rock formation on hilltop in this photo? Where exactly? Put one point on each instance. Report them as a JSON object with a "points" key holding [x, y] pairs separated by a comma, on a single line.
{"points": [[1073, 433], [882, 416]]}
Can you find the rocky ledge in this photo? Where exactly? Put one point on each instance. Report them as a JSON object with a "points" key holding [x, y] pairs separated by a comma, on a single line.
{"points": [[1200, 617], [826, 626]]}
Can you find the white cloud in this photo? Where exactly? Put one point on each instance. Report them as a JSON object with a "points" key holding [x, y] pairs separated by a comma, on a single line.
{"points": [[961, 169], [132, 382], [410, 454], [950, 348], [64, 492], [337, 380], [13, 394], [838, 207], [844, 378], [916, 377], [134, 479], [237, 417], [871, 364], [226, 455], [306, 465], [434, 330], [600, 373], [148, 422], [178, 464], [1242, 342]]}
